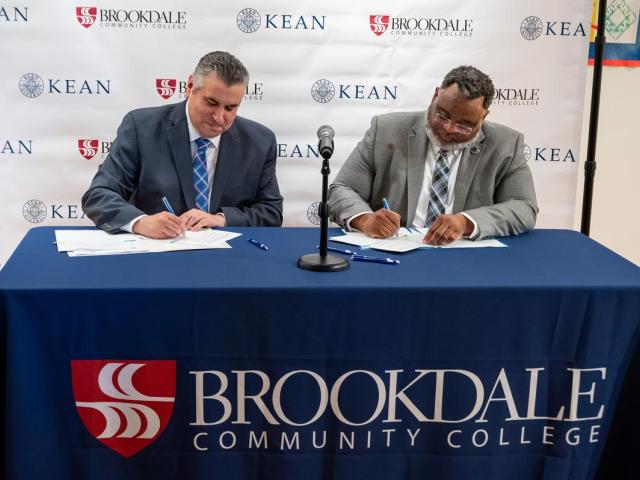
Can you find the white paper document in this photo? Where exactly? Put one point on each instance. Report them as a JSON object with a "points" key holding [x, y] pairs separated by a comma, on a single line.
{"points": [[78, 243], [408, 239]]}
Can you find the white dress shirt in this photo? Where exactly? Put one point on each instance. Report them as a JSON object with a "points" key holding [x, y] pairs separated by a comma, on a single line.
{"points": [[212, 160], [453, 160]]}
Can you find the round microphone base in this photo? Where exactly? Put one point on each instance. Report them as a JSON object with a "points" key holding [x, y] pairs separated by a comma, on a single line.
{"points": [[317, 263]]}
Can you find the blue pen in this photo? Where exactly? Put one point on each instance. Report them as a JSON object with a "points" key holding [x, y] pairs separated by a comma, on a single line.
{"points": [[385, 204], [258, 244], [367, 258], [339, 250], [167, 205]]}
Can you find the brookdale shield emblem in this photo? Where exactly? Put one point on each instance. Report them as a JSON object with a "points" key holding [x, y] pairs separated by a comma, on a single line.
{"points": [[125, 404], [166, 87], [379, 23], [88, 148], [86, 15]]}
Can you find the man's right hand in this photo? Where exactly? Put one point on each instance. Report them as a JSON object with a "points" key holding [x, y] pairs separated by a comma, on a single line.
{"points": [[380, 224], [161, 225]]}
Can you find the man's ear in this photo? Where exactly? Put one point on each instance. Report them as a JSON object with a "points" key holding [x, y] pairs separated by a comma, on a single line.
{"points": [[435, 94], [189, 86]]}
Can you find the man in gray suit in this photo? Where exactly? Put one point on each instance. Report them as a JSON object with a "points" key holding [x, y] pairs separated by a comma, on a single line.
{"points": [[189, 165], [445, 168]]}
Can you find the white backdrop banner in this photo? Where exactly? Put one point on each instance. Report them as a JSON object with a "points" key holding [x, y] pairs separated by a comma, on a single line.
{"points": [[72, 70]]}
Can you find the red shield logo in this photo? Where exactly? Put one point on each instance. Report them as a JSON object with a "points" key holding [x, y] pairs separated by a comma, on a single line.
{"points": [[166, 87], [379, 23], [125, 404], [88, 148], [86, 15]]}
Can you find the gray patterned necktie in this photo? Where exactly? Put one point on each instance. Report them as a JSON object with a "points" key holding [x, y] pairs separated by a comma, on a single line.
{"points": [[439, 189]]}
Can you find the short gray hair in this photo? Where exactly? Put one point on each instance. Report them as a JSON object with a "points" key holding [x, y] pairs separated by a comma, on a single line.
{"points": [[227, 67], [472, 83]]}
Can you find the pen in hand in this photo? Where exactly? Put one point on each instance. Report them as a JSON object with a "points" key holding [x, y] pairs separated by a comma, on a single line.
{"points": [[385, 204], [167, 205], [169, 208]]}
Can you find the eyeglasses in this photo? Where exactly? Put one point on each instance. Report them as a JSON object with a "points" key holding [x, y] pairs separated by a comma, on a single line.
{"points": [[458, 127]]}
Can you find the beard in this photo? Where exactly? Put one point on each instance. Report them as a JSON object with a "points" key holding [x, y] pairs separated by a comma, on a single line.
{"points": [[438, 145]]}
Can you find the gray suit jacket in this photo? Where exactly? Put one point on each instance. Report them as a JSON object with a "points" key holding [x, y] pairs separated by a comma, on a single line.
{"points": [[493, 186], [151, 158]]}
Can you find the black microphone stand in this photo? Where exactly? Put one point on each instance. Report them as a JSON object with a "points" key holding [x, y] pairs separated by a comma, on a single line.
{"points": [[321, 262]]}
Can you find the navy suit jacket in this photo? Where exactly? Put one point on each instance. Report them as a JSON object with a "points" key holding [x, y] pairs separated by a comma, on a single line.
{"points": [[151, 158]]}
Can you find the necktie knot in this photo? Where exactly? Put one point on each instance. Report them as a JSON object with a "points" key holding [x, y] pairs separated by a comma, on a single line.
{"points": [[203, 143]]}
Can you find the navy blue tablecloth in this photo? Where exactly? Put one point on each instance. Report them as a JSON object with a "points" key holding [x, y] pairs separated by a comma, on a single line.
{"points": [[492, 363]]}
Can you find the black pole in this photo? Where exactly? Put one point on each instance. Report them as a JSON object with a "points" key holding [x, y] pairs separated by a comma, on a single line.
{"points": [[322, 262], [324, 209], [590, 164]]}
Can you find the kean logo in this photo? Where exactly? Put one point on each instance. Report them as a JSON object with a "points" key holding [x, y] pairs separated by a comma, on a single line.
{"points": [[125, 404]]}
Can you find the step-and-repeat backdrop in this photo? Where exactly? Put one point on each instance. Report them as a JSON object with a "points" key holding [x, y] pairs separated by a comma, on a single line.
{"points": [[72, 70]]}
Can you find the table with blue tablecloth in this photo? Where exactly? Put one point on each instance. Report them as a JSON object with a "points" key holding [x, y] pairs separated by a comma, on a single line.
{"points": [[493, 363]]}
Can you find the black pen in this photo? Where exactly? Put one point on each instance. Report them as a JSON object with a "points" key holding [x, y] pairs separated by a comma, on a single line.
{"points": [[258, 244]]}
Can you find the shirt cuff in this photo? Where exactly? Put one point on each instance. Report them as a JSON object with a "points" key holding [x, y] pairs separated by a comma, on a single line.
{"points": [[475, 232], [347, 224], [129, 226]]}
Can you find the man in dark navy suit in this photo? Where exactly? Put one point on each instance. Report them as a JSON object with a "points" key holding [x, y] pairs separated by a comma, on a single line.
{"points": [[189, 165]]}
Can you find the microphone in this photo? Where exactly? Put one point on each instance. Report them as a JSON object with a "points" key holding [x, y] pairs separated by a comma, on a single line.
{"points": [[325, 141]]}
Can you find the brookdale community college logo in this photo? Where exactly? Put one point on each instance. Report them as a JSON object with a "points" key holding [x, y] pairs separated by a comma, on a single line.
{"points": [[132, 19], [531, 28], [248, 20], [421, 26], [34, 211], [86, 15], [166, 87], [31, 85], [88, 148], [323, 91], [379, 23], [125, 404]]}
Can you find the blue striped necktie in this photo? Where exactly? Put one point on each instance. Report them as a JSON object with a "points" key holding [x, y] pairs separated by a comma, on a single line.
{"points": [[439, 189], [200, 176]]}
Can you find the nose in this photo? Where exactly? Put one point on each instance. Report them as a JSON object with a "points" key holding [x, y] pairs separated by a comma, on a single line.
{"points": [[218, 116], [449, 127]]}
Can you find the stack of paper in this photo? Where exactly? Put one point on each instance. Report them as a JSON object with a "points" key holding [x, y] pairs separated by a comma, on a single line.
{"points": [[79, 243], [408, 239]]}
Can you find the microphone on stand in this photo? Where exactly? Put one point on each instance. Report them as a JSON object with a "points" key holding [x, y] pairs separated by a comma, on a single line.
{"points": [[322, 262], [325, 141]]}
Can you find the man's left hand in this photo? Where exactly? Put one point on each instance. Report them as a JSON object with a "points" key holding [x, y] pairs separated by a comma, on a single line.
{"points": [[448, 228], [197, 220]]}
